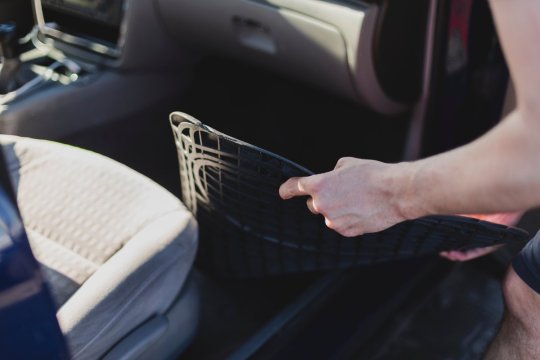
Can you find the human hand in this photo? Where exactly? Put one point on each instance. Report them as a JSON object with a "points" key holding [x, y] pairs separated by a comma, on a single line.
{"points": [[457, 255], [357, 197], [500, 218]]}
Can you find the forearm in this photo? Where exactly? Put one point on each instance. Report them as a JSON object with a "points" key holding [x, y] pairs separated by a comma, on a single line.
{"points": [[498, 172], [518, 27], [501, 170]]}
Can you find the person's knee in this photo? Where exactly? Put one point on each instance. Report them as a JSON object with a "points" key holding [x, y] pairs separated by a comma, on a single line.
{"points": [[522, 302]]}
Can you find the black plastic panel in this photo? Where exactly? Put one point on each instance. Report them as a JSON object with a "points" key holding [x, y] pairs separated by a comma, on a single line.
{"points": [[83, 27], [398, 48]]}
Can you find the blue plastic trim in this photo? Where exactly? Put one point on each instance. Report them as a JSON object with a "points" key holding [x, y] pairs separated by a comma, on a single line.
{"points": [[28, 325]]}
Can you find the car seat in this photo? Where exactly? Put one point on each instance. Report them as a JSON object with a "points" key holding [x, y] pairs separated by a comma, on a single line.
{"points": [[115, 248]]}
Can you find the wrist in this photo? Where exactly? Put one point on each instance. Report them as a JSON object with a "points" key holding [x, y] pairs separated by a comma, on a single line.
{"points": [[406, 197]]}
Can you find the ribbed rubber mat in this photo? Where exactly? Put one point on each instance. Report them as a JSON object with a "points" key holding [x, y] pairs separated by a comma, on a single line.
{"points": [[247, 230]]}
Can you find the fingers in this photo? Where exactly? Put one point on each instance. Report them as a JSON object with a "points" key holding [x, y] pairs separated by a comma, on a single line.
{"points": [[342, 162], [299, 187], [456, 255], [345, 226], [311, 206], [508, 218], [453, 255], [329, 223], [293, 187]]}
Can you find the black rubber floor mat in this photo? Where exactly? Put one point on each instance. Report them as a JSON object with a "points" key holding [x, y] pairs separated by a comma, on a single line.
{"points": [[247, 230]]}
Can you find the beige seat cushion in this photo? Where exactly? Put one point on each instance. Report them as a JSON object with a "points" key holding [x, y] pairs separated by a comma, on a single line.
{"points": [[114, 246]]}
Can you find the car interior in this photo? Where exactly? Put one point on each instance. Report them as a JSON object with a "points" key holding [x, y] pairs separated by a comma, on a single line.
{"points": [[310, 80]]}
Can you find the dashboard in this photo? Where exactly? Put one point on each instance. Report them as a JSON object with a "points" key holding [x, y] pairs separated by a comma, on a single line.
{"points": [[371, 52]]}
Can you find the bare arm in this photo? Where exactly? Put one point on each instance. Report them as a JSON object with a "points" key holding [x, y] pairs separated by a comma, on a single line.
{"points": [[498, 172], [501, 170]]}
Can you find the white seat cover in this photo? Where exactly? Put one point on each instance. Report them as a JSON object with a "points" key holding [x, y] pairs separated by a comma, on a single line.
{"points": [[115, 247]]}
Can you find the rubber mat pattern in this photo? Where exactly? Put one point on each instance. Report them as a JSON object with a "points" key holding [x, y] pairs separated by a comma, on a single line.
{"points": [[247, 230]]}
